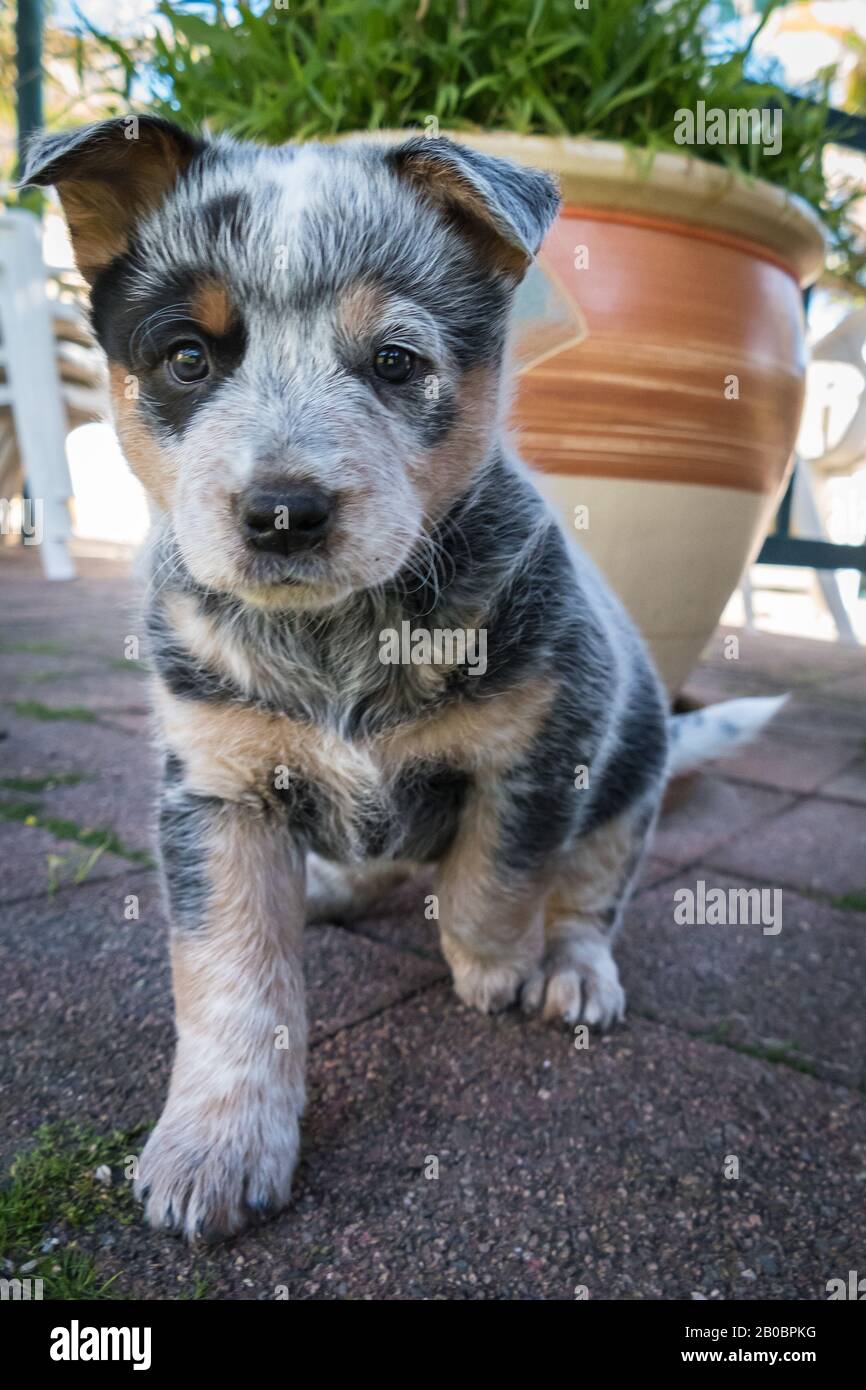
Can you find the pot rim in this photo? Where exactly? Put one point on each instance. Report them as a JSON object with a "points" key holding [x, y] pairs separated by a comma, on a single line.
{"points": [[665, 185]]}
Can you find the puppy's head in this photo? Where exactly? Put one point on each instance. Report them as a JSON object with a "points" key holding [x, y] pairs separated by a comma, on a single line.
{"points": [[305, 343]]}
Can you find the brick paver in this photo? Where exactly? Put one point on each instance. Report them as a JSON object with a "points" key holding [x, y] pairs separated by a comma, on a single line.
{"points": [[558, 1166]]}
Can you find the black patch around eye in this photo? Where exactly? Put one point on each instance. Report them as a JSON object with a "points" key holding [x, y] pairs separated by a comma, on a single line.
{"points": [[138, 331], [172, 403], [472, 314]]}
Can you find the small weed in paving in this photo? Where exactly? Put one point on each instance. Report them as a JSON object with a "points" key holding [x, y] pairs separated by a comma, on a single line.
{"points": [[136, 668], [71, 868], [32, 709], [98, 839], [34, 648], [852, 902], [43, 677], [93, 836], [786, 1053], [35, 785]]}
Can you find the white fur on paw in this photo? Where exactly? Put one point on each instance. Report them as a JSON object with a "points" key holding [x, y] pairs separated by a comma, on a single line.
{"points": [[208, 1173], [488, 988], [577, 983]]}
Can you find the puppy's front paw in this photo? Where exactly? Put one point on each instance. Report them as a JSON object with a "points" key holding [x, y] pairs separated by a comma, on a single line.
{"points": [[210, 1169], [577, 982], [488, 986]]}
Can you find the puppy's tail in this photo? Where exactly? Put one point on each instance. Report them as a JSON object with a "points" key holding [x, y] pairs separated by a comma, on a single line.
{"points": [[718, 729]]}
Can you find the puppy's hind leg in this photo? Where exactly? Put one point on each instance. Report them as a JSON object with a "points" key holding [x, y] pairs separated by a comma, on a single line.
{"points": [[343, 893], [578, 979], [490, 921]]}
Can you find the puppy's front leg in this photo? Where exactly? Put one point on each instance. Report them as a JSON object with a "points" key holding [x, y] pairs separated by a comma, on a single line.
{"points": [[491, 920], [225, 1147]]}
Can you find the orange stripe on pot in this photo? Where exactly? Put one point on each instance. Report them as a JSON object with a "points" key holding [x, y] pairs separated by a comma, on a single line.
{"points": [[692, 230], [690, 369]]}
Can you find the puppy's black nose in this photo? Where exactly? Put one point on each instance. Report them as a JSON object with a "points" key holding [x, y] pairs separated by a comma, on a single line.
{"points": [[285, 521]]}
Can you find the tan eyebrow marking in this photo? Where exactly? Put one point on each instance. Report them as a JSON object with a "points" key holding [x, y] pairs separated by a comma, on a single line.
{"points": [[211, 307], [359, 308]]}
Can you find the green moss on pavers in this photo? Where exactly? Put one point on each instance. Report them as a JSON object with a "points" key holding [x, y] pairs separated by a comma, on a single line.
{"points": [[25, 811], [43, 677], [852, 902], [53, 1193], [779, 1053], [95, 837], [787, 1054], [32, 709], [35, 648], [43, 784], [199, 1289], [137, 668]]}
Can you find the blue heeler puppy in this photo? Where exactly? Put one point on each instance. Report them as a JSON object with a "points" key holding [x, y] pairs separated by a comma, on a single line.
{"points": [[306, 349]]}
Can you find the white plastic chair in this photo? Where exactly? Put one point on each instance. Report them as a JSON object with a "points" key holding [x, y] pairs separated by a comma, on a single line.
{"points": [[831, 443], [32, 388], [832, 437]]}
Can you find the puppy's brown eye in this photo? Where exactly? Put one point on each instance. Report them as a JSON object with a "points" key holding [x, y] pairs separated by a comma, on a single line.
{"points": [[393, 364], [187, 363]]}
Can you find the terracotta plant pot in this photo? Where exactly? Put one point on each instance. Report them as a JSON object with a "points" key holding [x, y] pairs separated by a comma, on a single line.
{"points": [[672, 412]]}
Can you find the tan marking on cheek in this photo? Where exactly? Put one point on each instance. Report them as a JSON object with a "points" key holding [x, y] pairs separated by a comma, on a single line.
{"points": [[141, 449], [450, 466], [211, 307]]}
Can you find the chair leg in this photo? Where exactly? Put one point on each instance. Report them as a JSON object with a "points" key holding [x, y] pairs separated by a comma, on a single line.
{"points": [[809, 521], [37, 406], [748, 597]]}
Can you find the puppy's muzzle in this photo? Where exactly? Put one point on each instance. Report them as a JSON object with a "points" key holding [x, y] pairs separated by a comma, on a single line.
{"points": [[285, 521]]}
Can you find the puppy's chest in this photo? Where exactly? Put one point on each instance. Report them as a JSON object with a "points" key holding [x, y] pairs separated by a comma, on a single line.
{"points": [[365, 759], [355, 809], [358, 785], [395, 791]]}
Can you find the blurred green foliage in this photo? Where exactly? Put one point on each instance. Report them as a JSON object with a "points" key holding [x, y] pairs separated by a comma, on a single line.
{"points": [[616, 70]]}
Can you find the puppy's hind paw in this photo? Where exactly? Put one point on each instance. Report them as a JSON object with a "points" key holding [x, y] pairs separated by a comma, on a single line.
{"points": [[577, 982]]}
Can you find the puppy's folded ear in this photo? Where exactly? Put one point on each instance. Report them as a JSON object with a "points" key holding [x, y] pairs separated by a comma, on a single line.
{"points": [[506, 206], [108, 175]]}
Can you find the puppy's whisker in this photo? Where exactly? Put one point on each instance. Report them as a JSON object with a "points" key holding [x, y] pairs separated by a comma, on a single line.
{"points": [[160, 318]]}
